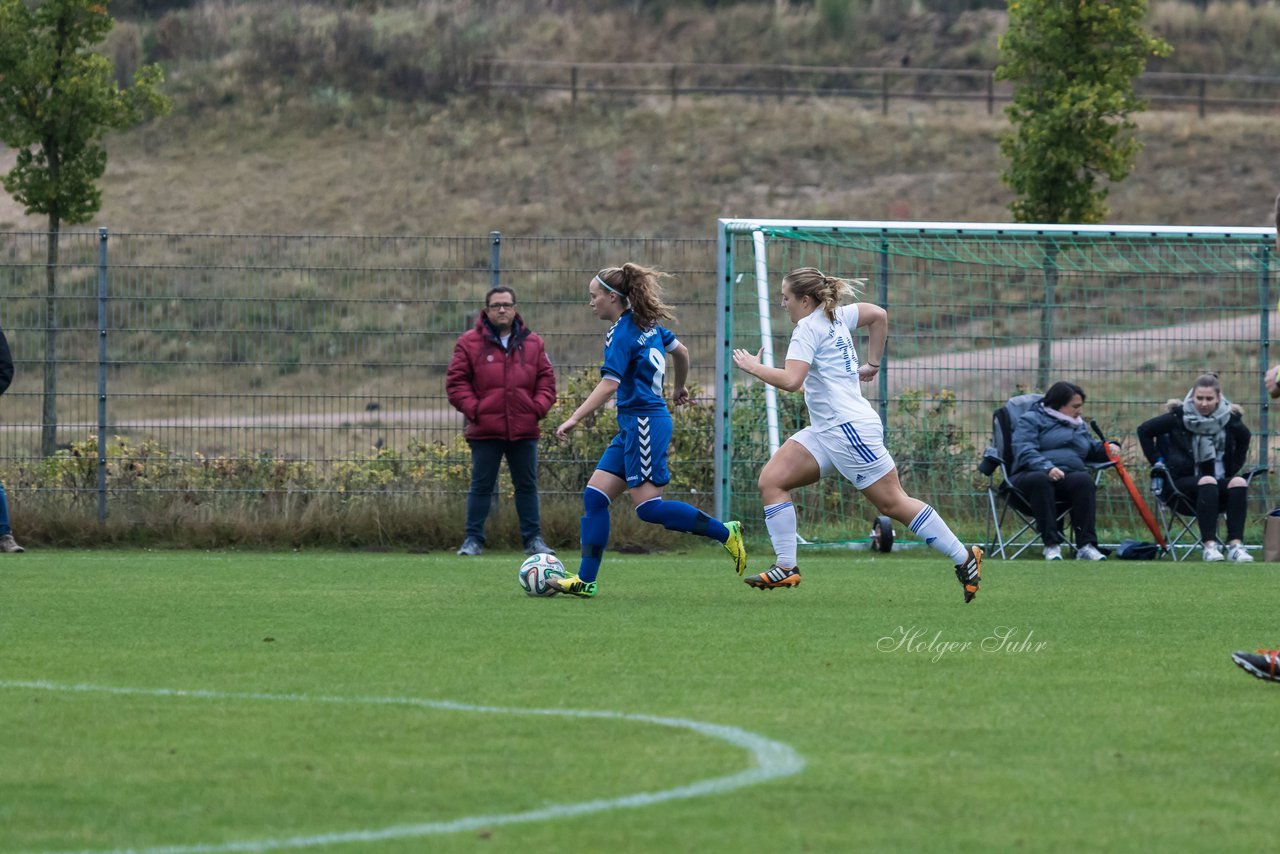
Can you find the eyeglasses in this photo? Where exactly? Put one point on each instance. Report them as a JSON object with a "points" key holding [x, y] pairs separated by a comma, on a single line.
{"points": [[501, 306]]}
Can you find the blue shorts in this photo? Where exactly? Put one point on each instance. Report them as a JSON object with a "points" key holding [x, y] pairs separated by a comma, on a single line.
{"points": [[639, 452]]}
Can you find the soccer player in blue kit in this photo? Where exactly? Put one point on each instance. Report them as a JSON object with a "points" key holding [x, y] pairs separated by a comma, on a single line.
{"points": [[635, 366]]}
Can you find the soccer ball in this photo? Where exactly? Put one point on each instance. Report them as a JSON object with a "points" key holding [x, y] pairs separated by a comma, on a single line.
{"points": [[535, 571]]}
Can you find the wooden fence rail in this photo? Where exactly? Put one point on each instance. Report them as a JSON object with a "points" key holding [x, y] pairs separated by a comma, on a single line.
{"points": [[884, 84]]}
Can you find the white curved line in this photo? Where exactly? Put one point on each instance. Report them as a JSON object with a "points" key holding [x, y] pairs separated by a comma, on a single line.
{"points": [[770, 760]]}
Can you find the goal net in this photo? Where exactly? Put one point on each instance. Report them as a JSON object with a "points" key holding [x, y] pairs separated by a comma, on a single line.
{"points": [[981, 312]]}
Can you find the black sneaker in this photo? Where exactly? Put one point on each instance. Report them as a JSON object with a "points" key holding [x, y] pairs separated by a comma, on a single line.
{"points": [[970, 573], [1262, 664], [776, 577]]}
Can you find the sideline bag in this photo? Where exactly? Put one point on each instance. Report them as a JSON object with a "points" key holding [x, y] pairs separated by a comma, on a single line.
{"points": [[1138, 550], [1271, 537]]}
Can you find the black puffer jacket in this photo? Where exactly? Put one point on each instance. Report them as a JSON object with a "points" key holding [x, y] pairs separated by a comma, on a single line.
{"points": [[1176, 447]]}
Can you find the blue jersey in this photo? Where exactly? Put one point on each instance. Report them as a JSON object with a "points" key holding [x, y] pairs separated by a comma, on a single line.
{"points": [[637, 359]]}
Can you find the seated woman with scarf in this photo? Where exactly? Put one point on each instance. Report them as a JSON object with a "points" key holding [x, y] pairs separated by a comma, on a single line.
{"points": [[1205, 448], [1051, 446]]}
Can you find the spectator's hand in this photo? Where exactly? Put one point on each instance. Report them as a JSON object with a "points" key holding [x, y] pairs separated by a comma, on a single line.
{"points": [[680, 396], [1056, 474], [1116, 447], [563, 429], [1272, 380]]}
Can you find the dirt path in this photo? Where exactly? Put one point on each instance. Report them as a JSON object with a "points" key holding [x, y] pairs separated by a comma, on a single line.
{"points": [[974, 372]]}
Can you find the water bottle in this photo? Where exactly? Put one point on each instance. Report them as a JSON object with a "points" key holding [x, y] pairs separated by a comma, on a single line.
{"points": [[1157, 482]]}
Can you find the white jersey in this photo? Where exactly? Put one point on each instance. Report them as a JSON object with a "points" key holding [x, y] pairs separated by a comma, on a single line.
{"points": [[832, 390]]}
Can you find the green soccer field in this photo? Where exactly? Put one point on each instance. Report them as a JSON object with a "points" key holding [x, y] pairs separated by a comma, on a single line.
{"points": [[209, 702]]}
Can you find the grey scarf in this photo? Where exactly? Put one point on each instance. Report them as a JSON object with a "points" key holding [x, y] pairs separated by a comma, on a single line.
{"points": [[1208, 434]]}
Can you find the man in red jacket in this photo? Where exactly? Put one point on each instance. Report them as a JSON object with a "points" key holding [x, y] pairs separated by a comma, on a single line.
{"points": [[501, 380]]}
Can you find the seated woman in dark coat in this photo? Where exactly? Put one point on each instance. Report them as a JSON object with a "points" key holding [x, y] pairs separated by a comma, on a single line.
{"points": [[1051, 446], [1205, 447]]}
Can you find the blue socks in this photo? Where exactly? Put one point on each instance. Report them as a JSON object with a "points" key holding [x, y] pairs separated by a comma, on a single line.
{"points": [[594, 532], [679, 516], [672, 515]]}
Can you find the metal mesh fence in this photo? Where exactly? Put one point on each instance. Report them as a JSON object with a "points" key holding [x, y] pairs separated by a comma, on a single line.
{"points": [[235, 363], [252, 366], [981, 313]]}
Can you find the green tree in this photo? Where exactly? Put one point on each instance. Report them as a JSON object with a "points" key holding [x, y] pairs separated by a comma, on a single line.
{"points": [[1073, 64], [57, 100]]}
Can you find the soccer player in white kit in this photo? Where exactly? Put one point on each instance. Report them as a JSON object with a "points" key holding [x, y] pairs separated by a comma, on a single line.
{"points": [[844, 433]]}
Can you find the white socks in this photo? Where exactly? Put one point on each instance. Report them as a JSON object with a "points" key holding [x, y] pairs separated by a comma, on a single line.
{"points": [[928, 526], [780, 519]]}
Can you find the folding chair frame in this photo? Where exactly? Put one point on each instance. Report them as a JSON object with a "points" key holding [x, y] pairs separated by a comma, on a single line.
{"points": [[1003, 498], [1180, 526]]}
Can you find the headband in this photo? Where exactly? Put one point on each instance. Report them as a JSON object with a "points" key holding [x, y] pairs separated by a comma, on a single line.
{"points": [[605, 285]]}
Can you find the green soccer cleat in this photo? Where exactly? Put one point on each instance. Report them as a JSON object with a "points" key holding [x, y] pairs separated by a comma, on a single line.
{"points": [[736, 548], [572, 586]]}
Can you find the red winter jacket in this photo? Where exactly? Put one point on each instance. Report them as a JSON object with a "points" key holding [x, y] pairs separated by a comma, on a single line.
{"points": [[502, 393]]}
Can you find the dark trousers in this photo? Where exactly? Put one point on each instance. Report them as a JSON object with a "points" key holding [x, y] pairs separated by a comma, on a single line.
{"points": [[1211, 500], [522, 461], [4, 513], [1045, 497]]}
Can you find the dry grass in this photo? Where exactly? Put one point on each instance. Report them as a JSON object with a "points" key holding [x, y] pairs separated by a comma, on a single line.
{"points": [[302, 521], [537, 169], [244, 152]]}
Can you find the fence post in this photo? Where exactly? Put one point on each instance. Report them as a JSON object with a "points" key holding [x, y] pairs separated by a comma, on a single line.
{"points": [[1046, 317], [1264, 348], [991, 93], [883, 379], [1202, 87], [884, 93], [674, 92], [495, 258], [102, 375], [573, 85]]}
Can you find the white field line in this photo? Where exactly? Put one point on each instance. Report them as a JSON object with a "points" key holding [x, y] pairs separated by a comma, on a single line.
{"points": [[770, 760]]}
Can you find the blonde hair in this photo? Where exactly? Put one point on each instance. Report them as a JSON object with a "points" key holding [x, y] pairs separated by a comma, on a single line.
{"points": [[642, 289], [826, 291]]}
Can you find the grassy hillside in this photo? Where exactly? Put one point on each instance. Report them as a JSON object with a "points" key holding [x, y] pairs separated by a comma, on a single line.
{"points": [[303, 118]]}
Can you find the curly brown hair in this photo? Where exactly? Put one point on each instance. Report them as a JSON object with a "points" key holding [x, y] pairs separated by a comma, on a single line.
{"points": [[642, 289]]}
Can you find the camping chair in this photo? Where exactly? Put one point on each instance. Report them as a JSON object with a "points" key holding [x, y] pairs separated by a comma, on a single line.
{"points": [[1011, 525], [1175, 510]]}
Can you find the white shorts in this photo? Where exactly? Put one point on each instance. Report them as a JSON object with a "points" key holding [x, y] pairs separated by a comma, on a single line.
{"points": [[855, 449]]}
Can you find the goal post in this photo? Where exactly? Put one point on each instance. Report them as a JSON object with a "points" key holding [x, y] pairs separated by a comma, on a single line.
{"points": [[980, 312]]}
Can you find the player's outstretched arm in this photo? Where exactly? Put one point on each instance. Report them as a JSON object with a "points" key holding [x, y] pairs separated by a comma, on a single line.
{"points": [[599, 397], [790, 378]]}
